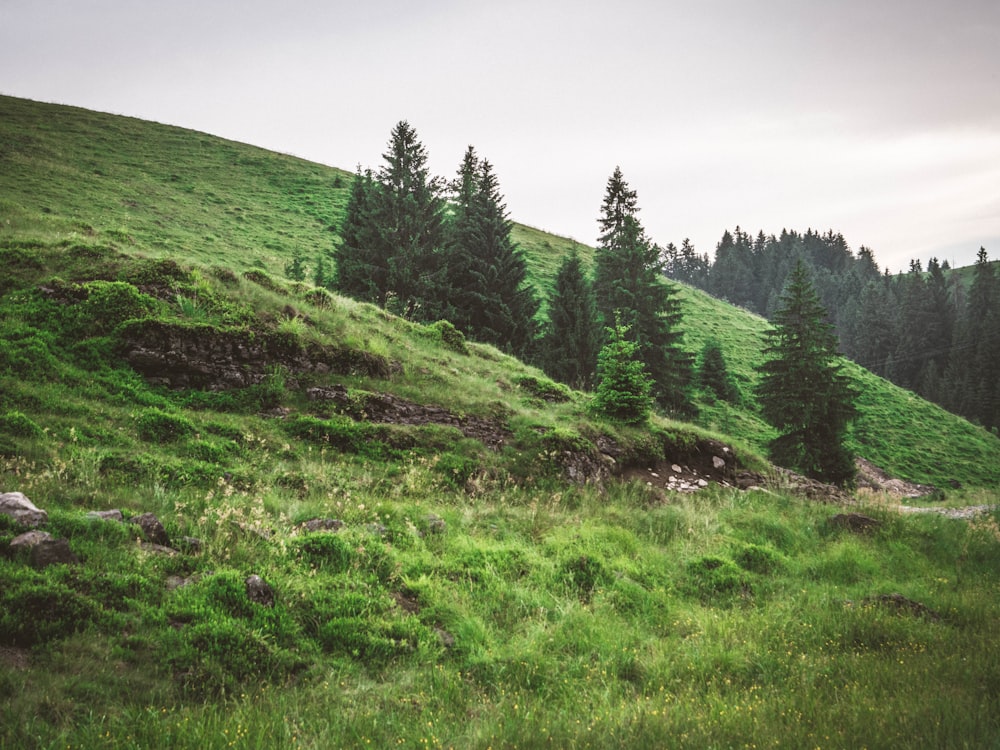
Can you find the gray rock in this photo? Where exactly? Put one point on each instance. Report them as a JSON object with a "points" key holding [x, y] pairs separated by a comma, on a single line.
{"points": [[29, 539], [323, 524], [436, 524], [259, 591], [152, 529], [718, 463], [106, 515], [21, 509], [52, 552], [159, 549]]}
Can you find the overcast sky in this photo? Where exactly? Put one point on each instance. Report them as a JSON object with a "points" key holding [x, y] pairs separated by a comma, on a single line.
{"points": [[879, 119]]}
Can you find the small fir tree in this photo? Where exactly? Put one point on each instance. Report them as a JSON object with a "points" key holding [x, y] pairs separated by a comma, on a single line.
{"points": [[713, 375], [623, 387], [803, 392]]}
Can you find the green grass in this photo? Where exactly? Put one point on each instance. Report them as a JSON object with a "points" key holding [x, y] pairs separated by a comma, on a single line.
{"points": [[474, 597]]}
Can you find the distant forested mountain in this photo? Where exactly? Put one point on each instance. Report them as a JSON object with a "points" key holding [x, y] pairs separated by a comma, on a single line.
{"points": [[935, 331]]}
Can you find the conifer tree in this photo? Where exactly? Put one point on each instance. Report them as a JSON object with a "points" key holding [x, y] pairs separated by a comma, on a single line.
{"points": [[488, 295], [570, 344], [628, 281], [362, 268], [713, 375], [393, 233], [623, 386], [802, 391]]}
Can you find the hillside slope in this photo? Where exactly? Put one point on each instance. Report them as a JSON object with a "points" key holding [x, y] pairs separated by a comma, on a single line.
{"points": [[272, 517], [72, 175]]}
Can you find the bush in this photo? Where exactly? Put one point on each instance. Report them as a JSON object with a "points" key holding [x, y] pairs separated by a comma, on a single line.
{"points": [[157, 426], [326, 551], [41, 610], [109, 304], [19, 425], [758, 559], [545, 389], [449, 336], [710, 576]]}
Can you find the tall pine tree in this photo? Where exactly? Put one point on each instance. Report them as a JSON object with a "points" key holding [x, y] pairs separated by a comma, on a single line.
{"points": [[802, 391], [394, 231], [628, 280], [488, 295]]}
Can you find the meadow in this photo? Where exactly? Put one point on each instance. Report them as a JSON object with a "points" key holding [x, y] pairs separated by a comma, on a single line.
{"points": [[471, 594]]}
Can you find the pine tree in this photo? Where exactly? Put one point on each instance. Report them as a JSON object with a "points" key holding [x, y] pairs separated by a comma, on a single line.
{"points": [[802, 391], [628, 281], [409, 217], [623, 386], [713, 375], [570, 344], [488, 296], [362, 267], [973, 373]]}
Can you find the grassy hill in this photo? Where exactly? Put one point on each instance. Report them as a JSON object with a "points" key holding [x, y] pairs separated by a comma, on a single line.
{"points": [[453, 558]]}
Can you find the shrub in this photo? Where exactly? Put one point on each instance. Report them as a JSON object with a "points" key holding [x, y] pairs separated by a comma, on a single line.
{"points": [[39, 610], [109, 304], [157, 426], [19, 425], [711, 576], [449, 336], [758, 559], [545, 389], [327, 551]]}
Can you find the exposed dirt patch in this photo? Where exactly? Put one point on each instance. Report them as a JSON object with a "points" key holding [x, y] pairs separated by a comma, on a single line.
{"points": [[870, 477], [385, 408], [14, 658]]}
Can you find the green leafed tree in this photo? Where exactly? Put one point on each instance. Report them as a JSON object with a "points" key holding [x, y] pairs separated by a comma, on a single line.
{"points": [[570, 344], [629, 281], [623, 386], [803, 392]]}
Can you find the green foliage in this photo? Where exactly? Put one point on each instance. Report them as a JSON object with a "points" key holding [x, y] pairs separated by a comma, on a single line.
{"points": [[571, 340], [328, 552], [545, 389], [623, 387], [803, 392], [449, 336], [156, 425], [110, 303], [38, 608], [19, 425], [715, 578]]}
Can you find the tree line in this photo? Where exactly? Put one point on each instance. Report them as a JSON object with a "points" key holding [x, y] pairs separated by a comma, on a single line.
{"points": [[933, 331], [429, 249]]}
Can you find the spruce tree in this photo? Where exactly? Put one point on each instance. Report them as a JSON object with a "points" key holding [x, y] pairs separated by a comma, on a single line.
{"points": [[803, 392], [628, 281], [410, 220], [489, 297], [570, 344], [623, 386], [362, 264]]}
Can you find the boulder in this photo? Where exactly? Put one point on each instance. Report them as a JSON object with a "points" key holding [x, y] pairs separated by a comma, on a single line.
{"points": [[21, 509], [152, 529], [106, 515], [29, 539], [52, 552], [855, 522], [259, 591]]}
